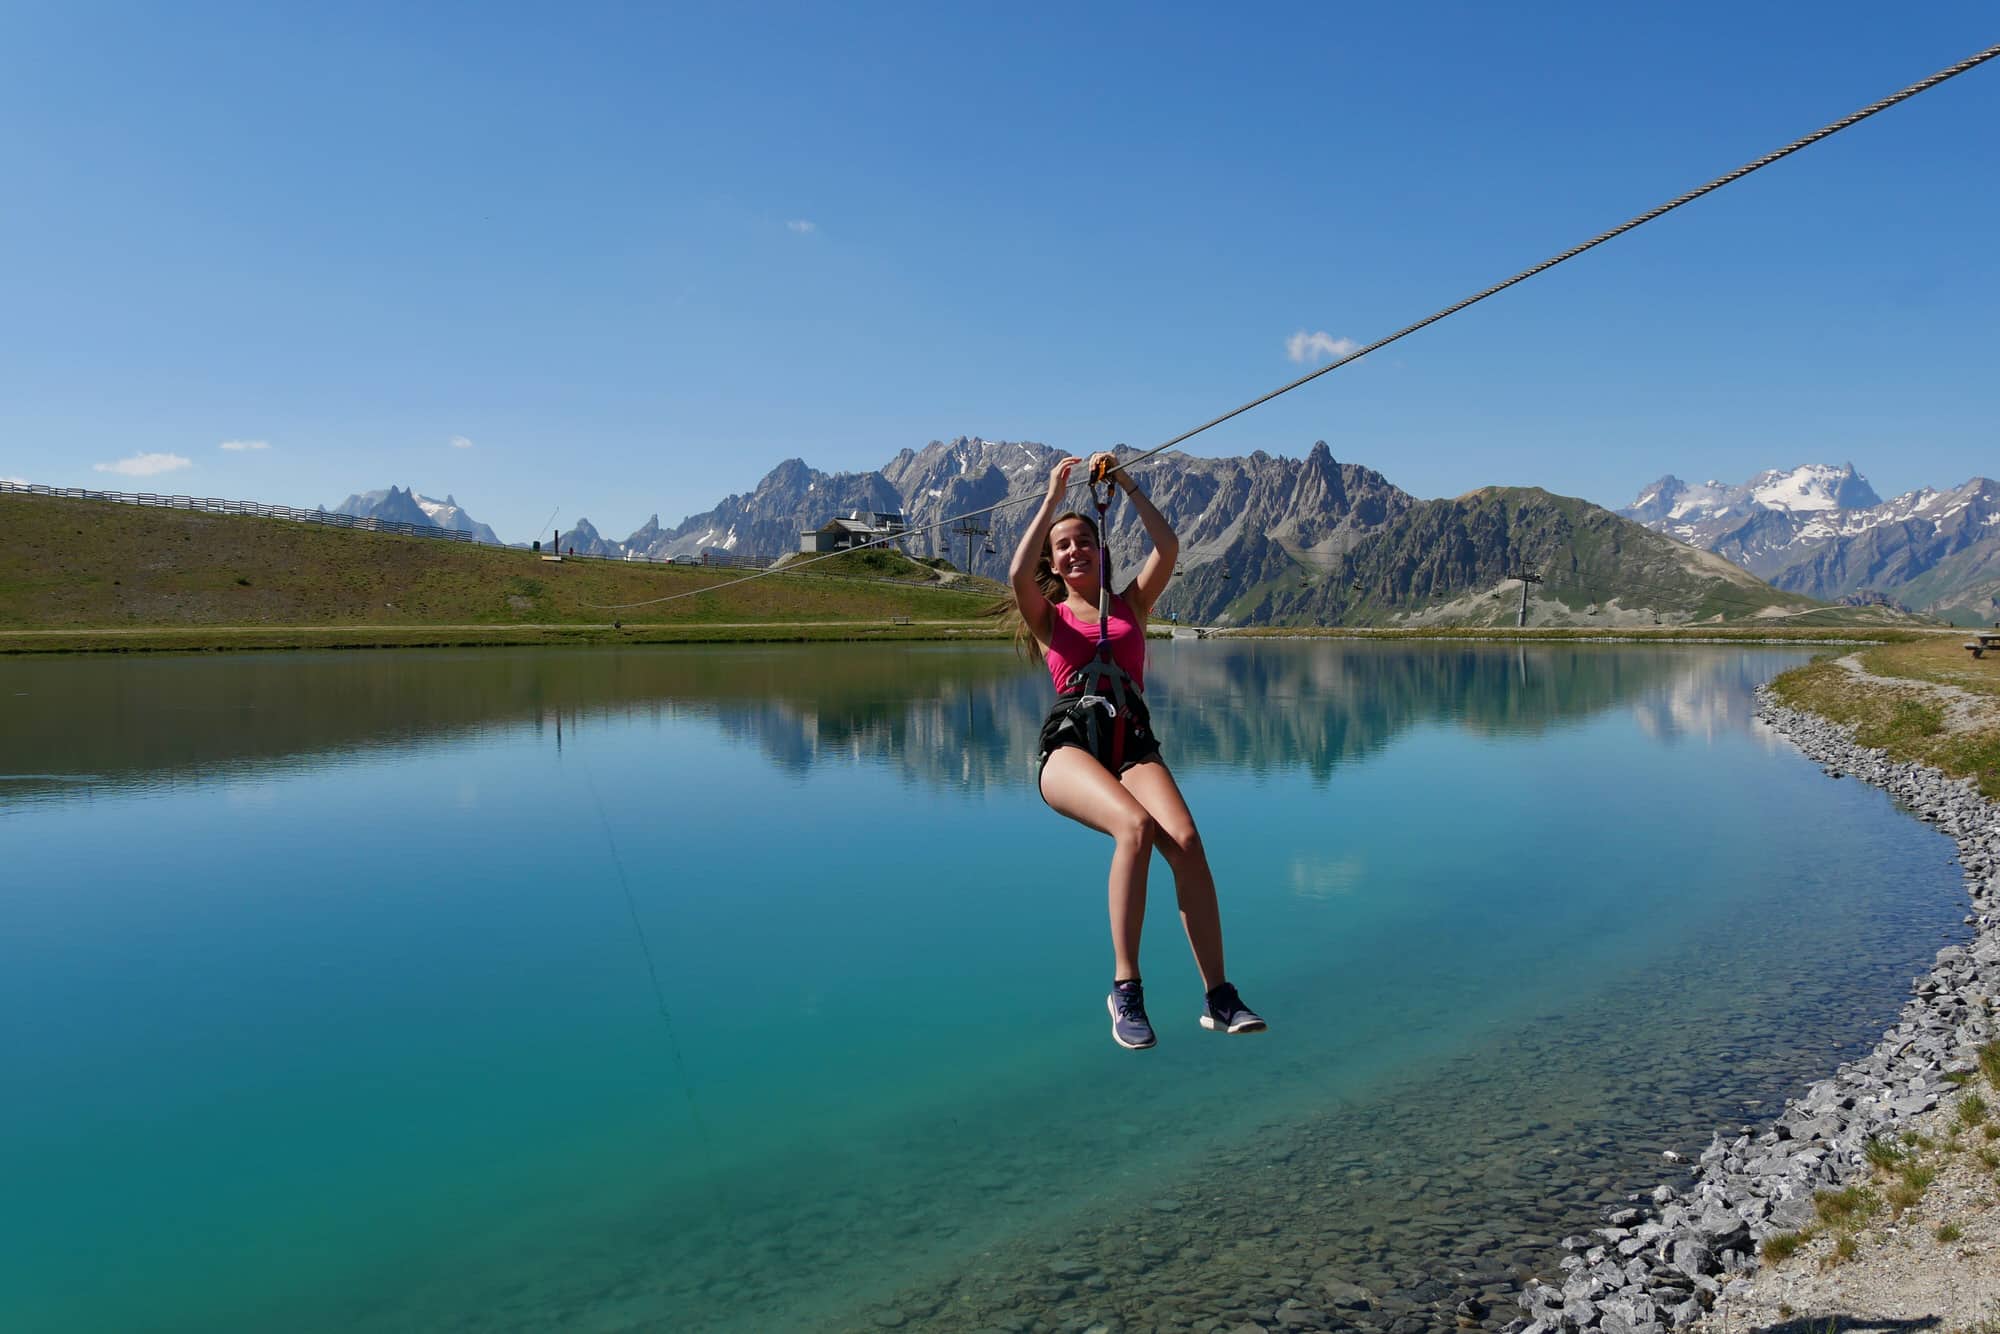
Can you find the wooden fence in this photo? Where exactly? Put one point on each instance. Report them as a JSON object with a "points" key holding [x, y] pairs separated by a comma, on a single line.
{"points": [[210, 505]]}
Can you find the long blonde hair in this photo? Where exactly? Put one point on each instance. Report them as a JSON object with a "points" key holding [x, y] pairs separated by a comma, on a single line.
{"points": [[1055, 590]]}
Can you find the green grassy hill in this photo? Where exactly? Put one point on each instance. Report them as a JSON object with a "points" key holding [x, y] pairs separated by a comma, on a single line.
{"points": [[76, 565]]}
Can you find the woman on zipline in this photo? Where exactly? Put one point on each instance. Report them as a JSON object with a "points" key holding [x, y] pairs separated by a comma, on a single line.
{"points": [[1100, 763]]}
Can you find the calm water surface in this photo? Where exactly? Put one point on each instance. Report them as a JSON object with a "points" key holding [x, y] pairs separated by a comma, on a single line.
{"points": [[755, 988]]}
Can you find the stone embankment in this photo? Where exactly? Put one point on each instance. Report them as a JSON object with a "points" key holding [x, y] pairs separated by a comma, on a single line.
{"points": [[1663, 1264]]}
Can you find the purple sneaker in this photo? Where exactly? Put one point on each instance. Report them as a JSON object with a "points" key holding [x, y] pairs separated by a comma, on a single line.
{"points": [[1226, 1013], [1129, 1025]]}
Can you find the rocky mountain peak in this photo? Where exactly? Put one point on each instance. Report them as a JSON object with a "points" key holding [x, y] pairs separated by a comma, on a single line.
{"points": [[1823, 531]]}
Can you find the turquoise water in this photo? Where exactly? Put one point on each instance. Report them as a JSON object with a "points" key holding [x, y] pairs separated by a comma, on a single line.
{"points": [[755, 988]]}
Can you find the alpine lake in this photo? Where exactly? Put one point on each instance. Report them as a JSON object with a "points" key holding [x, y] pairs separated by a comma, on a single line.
{"points": [[754, 988]]}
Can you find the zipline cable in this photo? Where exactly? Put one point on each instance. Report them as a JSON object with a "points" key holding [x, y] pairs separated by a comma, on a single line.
{"points": [[1804, 141]]}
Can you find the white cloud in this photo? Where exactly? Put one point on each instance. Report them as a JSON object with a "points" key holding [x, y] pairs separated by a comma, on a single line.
{"points": [[461, 442], [802, 226], [1303, 346], [144, 465], [243, 446]]}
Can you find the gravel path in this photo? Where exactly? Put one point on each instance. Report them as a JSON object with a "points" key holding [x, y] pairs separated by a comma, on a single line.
{"points": [[1963, 710]]}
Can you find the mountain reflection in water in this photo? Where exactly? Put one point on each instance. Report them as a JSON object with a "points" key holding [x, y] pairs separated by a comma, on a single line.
{"points": [[961, 717]]}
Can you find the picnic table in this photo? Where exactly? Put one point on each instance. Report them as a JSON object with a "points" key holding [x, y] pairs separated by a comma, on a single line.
{"points": [[1982, 640]]}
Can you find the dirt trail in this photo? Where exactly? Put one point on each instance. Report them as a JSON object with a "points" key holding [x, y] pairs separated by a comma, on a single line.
{"points": [[1963, 710]]}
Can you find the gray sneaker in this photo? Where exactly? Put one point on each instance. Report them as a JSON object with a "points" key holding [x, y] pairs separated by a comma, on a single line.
{"points": [[1129, 1025], [1226, 1013]]}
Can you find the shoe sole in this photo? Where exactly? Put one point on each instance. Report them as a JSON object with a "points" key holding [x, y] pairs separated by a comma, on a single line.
{"points": [[1250, 1026], [1112, 1006]]}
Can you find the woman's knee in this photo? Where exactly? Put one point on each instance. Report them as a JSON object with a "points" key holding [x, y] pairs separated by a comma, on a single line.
{"points": [[1137, 828], [1181, 842]]}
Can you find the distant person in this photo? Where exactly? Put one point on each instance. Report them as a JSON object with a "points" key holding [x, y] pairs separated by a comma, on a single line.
{"points": [[1100, 763]]}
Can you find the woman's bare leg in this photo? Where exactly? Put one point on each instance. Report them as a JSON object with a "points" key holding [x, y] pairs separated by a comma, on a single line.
{"points": [[1078, 786], [1180, 843]]}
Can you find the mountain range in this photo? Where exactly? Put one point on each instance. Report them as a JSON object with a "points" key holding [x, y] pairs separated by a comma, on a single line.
{"points": [[1824, 532], [1264, 539], [1274, 540], [407, 506]]}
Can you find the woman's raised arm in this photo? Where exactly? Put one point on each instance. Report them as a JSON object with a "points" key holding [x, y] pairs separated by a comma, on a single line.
{"points": [[1158, 571], [1028, 595]]}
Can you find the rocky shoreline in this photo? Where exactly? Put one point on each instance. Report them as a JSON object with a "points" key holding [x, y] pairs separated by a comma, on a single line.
{"points": [[1666, 1262]]}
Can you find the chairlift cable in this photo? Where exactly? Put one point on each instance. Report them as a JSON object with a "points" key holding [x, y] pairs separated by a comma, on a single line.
{"points": [[1728, 178]]}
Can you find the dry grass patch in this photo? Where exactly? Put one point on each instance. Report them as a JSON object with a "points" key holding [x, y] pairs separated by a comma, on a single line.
{"points": [[1910, 723]]}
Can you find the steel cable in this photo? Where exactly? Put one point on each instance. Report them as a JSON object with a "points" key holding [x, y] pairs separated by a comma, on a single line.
{"points": [[1804, 141]]}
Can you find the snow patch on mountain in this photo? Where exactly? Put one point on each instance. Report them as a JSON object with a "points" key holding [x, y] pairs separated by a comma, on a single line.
{"points": [[1823, 531], [1816, 486]]}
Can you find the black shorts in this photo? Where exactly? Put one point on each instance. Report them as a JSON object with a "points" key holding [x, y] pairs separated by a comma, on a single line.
{"points": [[1069, 725]]}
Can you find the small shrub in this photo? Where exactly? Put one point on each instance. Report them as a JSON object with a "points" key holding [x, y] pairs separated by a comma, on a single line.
{"points": [[1949, 1232], [243, 581], [1782, 1246], [1903, 1197], [1958, 1078], [1971, 1110], [1990, 1130], [1989, 1063], [1846, 1208], [1988, 1159], [1845, 1248], [1882, 1155]]}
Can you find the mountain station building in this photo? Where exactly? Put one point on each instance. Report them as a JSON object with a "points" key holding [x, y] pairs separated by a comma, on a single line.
{"points": [[856, 530]]}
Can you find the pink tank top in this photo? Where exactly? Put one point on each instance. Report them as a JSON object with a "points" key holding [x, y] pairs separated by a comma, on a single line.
{"points": [[1073, 642]]}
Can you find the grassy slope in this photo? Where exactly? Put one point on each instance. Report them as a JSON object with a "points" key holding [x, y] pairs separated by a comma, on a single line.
{"points": [[1909, 727], [1444, 561], [73, 565]]}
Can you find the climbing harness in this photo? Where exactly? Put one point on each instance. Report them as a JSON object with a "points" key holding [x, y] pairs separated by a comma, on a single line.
{"points": [[1100, 707], [1100, 684]]}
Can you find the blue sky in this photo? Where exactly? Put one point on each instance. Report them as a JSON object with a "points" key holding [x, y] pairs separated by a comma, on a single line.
{"points": [[623, 259]]}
